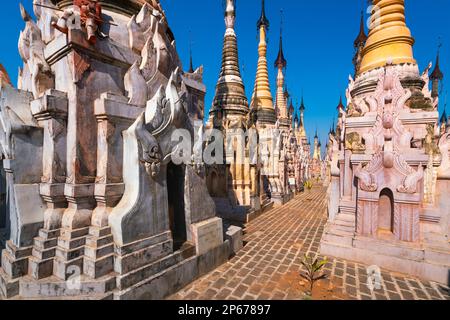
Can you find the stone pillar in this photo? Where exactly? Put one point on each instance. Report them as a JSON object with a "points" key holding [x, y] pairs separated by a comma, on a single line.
{"points": [[51, 113], [348, 176], [341, 178], [333, 198], [114, 115], [93, 70], [443, 203]]}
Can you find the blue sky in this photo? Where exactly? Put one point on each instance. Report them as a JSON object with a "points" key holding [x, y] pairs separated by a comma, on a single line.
{"points": [[318, 44]]}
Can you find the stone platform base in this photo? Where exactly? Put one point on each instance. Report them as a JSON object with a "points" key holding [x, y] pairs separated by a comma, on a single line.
{"points": [[412, 259], [173, 273], [280, 200], [176, 277], [227, 211]]}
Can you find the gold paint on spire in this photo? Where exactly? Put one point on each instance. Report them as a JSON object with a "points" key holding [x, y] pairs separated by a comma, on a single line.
{"points": [[261, 94], [302, 120], [389, 37], [262, 97]]}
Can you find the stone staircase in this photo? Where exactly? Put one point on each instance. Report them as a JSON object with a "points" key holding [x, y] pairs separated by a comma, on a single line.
{"points": [[76, 287], [108, 287], [341, 230]]}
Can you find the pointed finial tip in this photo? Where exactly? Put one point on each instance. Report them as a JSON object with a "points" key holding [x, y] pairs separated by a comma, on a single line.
{"points": [[23, 12]]}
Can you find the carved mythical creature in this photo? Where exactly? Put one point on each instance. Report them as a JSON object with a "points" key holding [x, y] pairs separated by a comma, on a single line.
{"points": [[409, 184], [91, 17], [348, 92], [37, 74], [67, 20], [426, 78], [151, 154], [136, 86], [150, 36], [366, 175], [46, 17]]}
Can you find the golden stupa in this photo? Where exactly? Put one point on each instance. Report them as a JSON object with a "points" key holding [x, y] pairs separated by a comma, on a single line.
{"points": [[389, 37]]}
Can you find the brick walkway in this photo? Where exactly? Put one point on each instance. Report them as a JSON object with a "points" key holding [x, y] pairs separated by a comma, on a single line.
{"points": [[268, 267]]}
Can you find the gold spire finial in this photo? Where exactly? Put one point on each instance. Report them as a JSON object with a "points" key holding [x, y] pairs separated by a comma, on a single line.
{"points": [[262, 97], [389, 37]]}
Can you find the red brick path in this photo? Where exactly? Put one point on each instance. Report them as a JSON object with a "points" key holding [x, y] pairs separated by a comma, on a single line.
{"points": [[269, 264]]}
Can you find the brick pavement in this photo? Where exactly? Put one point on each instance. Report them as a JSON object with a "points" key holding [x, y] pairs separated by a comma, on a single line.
{"points": [[268, 266]]}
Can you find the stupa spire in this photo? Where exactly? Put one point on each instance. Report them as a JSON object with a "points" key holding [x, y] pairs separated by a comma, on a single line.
{"points": [[437, 75], [389, 37], [262, 100], [280, 64], [302, 119], [359, 43], [191, 64], [230, 92]]}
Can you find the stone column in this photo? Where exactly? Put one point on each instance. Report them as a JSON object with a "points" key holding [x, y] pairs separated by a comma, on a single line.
{"points": [[93, 70], [341, 177], [51, 113], [114, 115], [348, 176]]}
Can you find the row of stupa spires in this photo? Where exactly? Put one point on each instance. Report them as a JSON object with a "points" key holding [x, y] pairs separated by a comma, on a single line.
{"points": [[230, 98]]}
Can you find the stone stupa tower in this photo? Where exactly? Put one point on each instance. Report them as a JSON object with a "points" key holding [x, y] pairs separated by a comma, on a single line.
{"points": [[93, 183], [281, 102], [394, 169], [230, 100], [235, 183]]}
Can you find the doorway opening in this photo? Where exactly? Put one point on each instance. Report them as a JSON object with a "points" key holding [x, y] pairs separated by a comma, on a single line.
{"points": [[386, 214], [177, 214]]}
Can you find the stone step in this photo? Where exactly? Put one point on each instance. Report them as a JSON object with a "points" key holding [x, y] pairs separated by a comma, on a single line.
{"points": [[74, 233], [346, 217], [344, 223], [134, 260], [14, 268], [94, 241], [49, 234], [336, 239], [71, 243], [130, 279], [8, 287], [69, 254], [393, 248], [42, 243], [127, 280], [94, 297], [348, 229], [98, 267], [64, 269], [99, 232], [44, 254], [40, 268], [435, 237], [76, 286], [98, 252], [335, 231]]}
